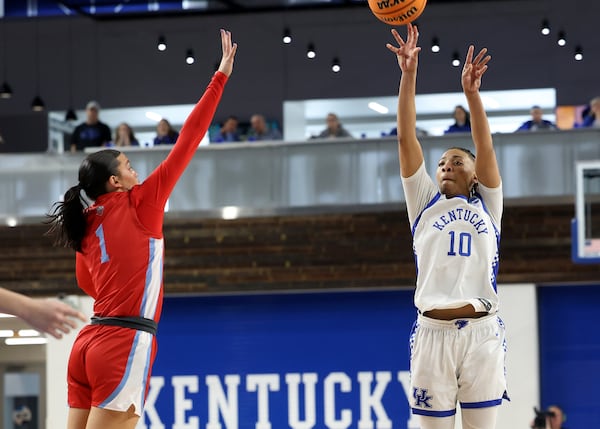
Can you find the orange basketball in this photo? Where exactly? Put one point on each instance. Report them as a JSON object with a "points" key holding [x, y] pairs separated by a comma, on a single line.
{"points": [[397, 12]]}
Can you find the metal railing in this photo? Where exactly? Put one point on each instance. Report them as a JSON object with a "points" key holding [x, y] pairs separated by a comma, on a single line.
{"points": [[264, 177]]}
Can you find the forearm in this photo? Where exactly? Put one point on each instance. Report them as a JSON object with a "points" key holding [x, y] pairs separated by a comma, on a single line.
{"points": [[160, 183], [407, 113], [409, 148], [480, 128], [486, 164], [14, 303]]}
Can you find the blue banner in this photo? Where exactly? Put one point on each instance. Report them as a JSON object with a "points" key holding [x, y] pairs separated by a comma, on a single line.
{"points": [[570, 352], [309, 360]]}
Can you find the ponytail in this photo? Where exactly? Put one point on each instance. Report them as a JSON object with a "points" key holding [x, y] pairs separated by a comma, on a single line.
{"points": [[67, 217]]}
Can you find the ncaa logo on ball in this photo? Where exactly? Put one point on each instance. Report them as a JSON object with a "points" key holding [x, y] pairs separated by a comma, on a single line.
{"points": [[397, 12]]}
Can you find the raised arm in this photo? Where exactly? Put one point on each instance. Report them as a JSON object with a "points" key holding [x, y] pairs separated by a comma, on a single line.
{"points": [[157, 188], [486, 165], [407, 54]]}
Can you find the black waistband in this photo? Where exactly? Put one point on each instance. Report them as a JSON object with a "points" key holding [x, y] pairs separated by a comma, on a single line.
{"points": [[131, 322]]}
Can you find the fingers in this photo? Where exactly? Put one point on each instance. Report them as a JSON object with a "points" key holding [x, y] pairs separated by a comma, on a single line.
{"points": [[413, 33], [55, 334], [469, 58], [480, 60], [397, 37], [71, 312], [229, 49], [225, 40]]}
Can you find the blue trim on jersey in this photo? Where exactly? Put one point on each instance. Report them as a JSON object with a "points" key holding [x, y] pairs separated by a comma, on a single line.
{"points": [[146, 370], [421, 412], [496, 263], [411, 339], [432, 202], [482, 404], [148, 279], [123, 382]]}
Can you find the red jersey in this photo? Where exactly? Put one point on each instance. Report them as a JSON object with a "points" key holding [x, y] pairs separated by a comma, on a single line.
{"points": [[121, 260]]}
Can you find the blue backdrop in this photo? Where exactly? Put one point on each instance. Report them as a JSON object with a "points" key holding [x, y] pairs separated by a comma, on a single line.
{"points": [[338, 358], [570, 352], [239, 356]]}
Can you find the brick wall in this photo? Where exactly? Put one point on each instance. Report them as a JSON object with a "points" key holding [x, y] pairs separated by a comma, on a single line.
{"points": [[308, 251]]}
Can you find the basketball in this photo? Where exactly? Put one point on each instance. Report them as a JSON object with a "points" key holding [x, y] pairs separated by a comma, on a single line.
{"points": [[397, 12]]}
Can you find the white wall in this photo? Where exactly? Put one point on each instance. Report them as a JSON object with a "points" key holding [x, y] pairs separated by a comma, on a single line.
{"points": [[57, 357]]}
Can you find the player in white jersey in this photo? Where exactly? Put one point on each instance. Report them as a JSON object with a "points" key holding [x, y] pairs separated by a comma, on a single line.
{"points": [[458, 342]]}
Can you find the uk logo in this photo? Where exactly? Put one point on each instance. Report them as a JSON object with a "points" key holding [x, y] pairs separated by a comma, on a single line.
{"points": [[422, 398], [461, 323]]}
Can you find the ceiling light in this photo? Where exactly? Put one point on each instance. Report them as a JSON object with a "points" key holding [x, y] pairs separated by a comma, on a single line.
{"points": [[5, 91], [578, 53], [6, 333], [455, 59], [37, 105], [435, 45], [162, 44], [189, 57], [28, 333], [230, 212], [153, 116], [335, 65], [310, 52], [70, 115], [25, 341], [562, 41], [287, 36], [379, 108], [545, 30]]}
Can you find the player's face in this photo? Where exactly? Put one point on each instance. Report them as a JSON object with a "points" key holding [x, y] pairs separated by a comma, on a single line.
{"points": [[127, 176], [455, 173]]}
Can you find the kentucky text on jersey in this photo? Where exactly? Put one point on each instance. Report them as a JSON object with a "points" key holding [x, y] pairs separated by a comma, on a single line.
{"points": [[465, 215]]}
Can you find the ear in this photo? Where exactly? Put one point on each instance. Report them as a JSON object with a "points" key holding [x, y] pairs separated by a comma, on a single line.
{"points": [[475, 179], [114, 183]]}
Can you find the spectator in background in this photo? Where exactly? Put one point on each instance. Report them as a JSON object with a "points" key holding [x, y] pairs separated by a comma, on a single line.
{"points": [[229, 131], [165, 133], [555, 417], [462, 121], [124, 136], [334, 128], [92, 132], [592, 118], [259, 130], [537, 122]]}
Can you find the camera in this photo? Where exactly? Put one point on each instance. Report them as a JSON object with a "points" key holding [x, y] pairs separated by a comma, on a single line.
{"points": [[540, 418]]}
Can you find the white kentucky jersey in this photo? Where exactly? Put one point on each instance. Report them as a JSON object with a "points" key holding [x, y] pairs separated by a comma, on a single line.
{"points": [[456, 244]]}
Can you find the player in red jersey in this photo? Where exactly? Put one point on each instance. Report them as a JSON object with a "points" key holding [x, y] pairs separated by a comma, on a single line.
{"points": [[119, 263]]}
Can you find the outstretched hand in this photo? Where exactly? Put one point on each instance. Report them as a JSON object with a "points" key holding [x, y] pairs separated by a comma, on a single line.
{"points": [[474, 69], [229, 49], [53, 317], [406, 52]]}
